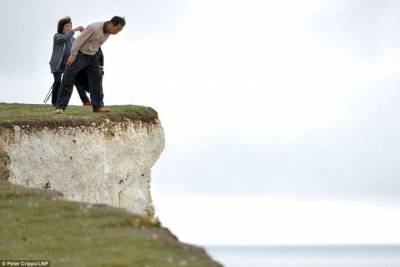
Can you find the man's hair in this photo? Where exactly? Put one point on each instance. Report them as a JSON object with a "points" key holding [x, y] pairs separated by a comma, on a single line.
{"points": [[118, 20], [62, 22]]}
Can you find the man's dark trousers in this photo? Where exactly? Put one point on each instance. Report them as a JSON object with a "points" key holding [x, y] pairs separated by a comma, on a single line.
{"points": [[91, 64], [79, 86]]}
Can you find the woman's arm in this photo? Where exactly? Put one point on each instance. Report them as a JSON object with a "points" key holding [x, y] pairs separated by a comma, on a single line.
{"points": [[60, 38]]}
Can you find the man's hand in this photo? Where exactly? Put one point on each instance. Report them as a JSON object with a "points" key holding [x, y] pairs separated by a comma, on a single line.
{"points": [[79, 29], [70, 60]]}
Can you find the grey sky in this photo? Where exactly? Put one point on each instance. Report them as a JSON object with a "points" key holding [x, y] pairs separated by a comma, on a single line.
{"points": [[258, 98]]}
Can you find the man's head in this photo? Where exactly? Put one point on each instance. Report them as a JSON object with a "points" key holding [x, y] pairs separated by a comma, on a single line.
{"points": [[64, 25], [115, 25]]}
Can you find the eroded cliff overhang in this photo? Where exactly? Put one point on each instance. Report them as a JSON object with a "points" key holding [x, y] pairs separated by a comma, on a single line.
{"points": [[103, 158]]}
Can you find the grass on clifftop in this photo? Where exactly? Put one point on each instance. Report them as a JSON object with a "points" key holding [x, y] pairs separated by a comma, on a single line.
{"points": [[36, 224], [12, 112]]}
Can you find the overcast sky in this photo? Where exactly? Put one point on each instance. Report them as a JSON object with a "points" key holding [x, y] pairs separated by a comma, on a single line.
{"points": [[281, 117]]}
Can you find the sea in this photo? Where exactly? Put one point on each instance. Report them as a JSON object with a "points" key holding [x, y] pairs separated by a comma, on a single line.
{"points": [[307, 256]]}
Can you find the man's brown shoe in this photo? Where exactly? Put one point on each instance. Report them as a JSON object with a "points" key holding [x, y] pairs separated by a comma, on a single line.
{"points": [[102, 109], [59, 111]]}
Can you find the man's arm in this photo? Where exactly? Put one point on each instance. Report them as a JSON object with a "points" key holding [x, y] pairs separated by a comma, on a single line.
{"points": [[81, 39]]}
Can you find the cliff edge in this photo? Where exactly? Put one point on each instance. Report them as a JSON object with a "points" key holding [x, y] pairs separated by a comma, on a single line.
{"points": [[102, 162], [88, 157]]}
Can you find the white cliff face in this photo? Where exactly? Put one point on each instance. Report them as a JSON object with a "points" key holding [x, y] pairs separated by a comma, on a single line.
{"points": [[107, 162]]}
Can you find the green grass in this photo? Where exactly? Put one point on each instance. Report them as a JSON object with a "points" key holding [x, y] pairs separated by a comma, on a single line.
{"points": [[13, 112], [38, 224]]}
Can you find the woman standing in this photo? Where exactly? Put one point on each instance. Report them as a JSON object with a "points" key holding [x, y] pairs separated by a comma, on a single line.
{"points": [[62, 45]]}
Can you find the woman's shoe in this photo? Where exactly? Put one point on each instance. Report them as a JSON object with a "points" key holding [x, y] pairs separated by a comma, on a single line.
{"points": [[87, 103]]}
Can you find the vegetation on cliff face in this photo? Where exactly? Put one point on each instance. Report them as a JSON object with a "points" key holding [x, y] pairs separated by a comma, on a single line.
{"points": [[40, 224]]}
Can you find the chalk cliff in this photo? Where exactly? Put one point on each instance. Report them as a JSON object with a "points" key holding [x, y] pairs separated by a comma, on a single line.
{"points": [[97, 159]]}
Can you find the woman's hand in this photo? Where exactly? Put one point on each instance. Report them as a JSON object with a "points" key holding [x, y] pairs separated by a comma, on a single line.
{"points": [[79, 29]]}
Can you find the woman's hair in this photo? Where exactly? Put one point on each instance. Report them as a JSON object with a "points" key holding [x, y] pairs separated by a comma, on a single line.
{"points": [[62, 22]]}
